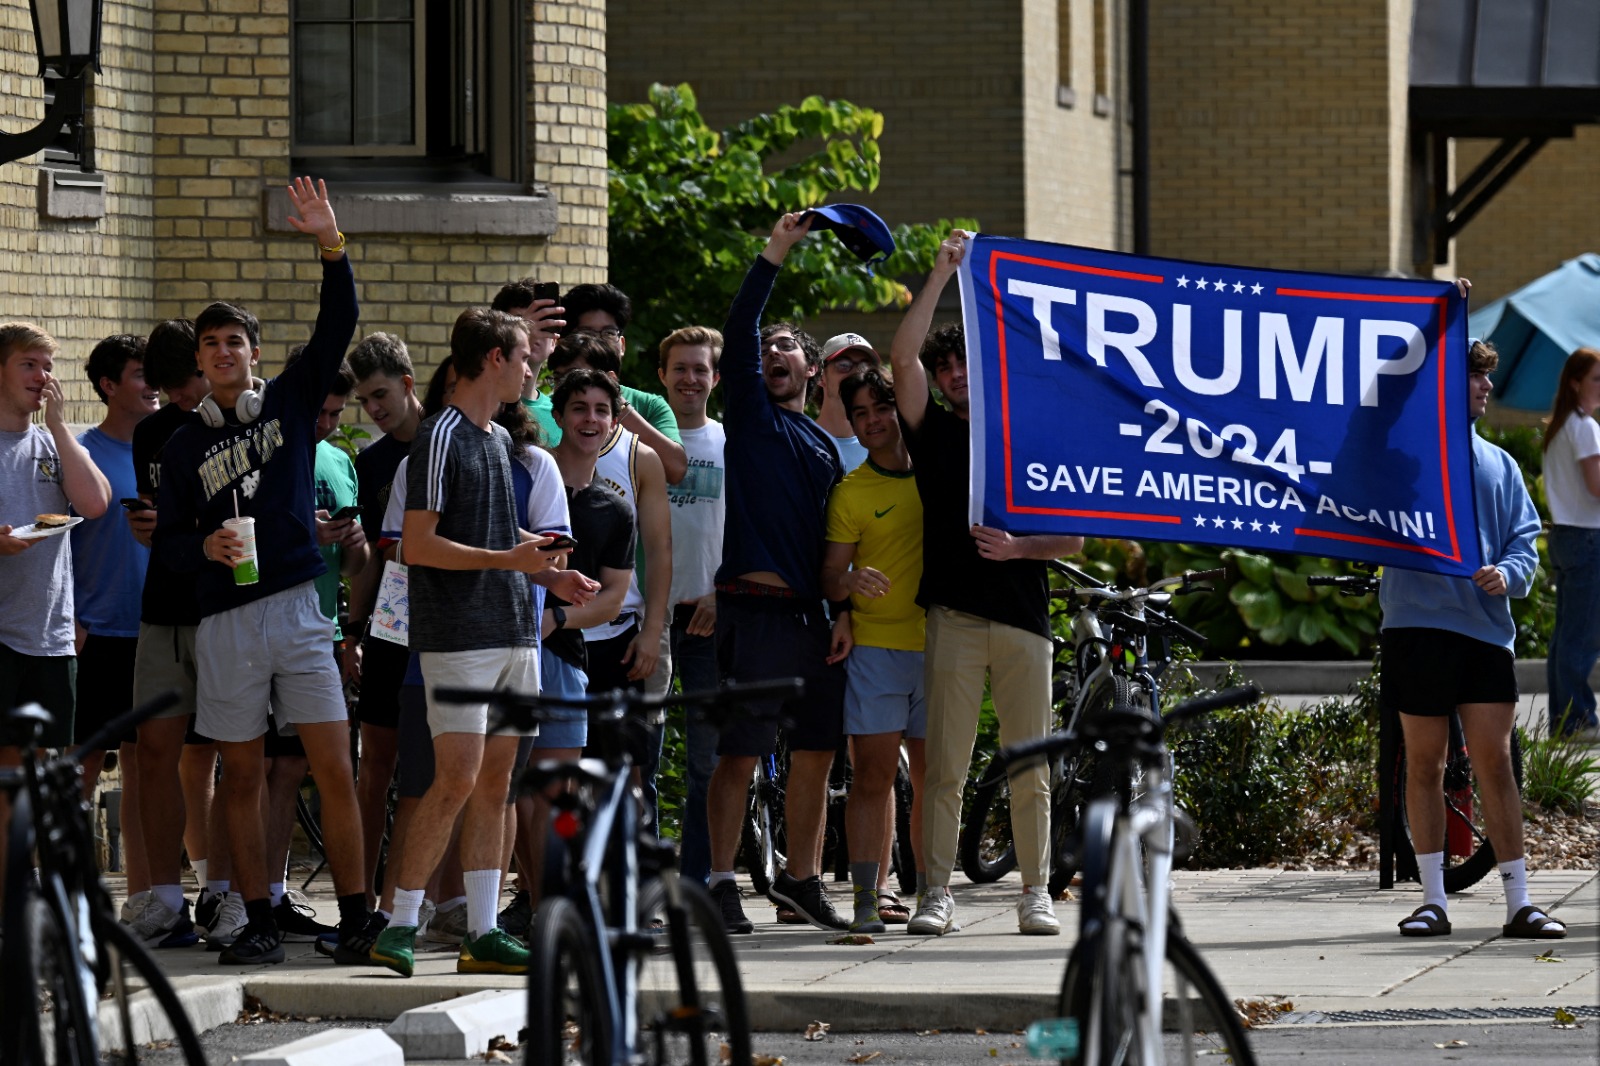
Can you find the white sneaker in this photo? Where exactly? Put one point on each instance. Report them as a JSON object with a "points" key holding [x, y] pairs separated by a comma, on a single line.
{"points": [[936, 914], [134, 906], [229, 923], [449, 927], [425, 915], [1036, 915], [159, 926]]}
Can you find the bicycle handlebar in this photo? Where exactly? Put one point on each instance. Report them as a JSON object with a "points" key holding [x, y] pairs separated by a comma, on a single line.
{"points": [[1239, 696], [124, 723]]}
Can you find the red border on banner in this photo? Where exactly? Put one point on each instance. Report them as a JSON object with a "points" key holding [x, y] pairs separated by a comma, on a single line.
{"points": [[1078, 268]]}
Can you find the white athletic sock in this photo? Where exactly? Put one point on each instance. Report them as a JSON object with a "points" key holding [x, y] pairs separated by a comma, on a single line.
{"points": [[171, 896], [199, 871], [483, 893], [718, 876], [1514, 879], [407, 905], [275, 890], [217, 888], [1430, 871]]}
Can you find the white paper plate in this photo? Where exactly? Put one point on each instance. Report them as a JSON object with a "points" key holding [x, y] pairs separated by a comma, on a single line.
{"points": [[31, 532]]}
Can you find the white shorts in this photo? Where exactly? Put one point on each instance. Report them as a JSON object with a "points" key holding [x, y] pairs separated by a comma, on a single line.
{"points": [[272, 653], [515, 668]]}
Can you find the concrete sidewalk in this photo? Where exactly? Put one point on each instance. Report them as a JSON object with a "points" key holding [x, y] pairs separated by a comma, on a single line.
{"points": [[1324, 941]]}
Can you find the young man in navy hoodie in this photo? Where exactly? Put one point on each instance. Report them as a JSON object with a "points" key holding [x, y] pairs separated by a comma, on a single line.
{"points": [[266, 644]]}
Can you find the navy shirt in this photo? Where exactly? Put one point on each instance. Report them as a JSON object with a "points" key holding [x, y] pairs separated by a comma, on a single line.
{"points": [[170, 598], [780, 464], [268, 464]]}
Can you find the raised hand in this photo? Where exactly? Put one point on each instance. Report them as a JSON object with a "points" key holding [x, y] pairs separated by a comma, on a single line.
{"points": [[55, 403], [951, 251], [310, 199], [787, 232]]}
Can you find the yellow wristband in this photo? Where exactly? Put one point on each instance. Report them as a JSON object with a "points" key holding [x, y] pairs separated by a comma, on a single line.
{"points": [[336, 248]]}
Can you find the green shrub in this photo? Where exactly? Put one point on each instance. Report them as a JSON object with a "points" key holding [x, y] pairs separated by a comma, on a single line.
{"points": [[1558, 773]]}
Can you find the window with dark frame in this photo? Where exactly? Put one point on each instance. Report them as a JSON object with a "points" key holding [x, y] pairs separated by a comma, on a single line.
{"points": [[409, 90]]}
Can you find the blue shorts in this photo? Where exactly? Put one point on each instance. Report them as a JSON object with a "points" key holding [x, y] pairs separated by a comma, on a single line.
{"points": [[564, 727], [883, 693]]}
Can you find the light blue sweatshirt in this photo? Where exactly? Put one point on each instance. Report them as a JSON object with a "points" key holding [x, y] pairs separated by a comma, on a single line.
{"points": [[1507, 526]]}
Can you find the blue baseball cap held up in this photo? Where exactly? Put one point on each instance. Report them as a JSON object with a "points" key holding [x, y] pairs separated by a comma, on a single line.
{"points": [[858, 229]]}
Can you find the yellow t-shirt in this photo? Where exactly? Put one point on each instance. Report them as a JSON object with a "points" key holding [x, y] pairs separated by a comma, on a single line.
{"points": [[881, 514]]}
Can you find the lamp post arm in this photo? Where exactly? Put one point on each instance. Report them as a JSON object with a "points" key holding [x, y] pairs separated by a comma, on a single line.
{"points": [[68, 104]]}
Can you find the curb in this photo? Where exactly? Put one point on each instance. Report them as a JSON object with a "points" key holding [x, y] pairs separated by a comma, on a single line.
{"points": [[1000, 1010], [337, 1047], [208, 1002], [381, 996], [460, 1028]]}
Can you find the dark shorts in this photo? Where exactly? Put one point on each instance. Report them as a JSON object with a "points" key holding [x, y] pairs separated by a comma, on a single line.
{"points": [[192, 736], [275, 744], [414, 751], [105, 686], [51, 681], [1431, 672], [763, 638], [383, 671]]}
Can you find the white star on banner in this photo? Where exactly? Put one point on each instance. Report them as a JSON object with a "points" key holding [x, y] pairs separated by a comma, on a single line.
{"points": [[1238, 524], [1217, 521], [1220, 285], [1255, 527], [1200, 520], [1183, 283], [1200, 283], [1255, 290], [1273, 528], [1238, 286]]}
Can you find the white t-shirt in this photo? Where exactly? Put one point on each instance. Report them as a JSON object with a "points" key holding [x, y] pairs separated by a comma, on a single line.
{"points": [[615, 468], [698, 513], [1571, 502]]}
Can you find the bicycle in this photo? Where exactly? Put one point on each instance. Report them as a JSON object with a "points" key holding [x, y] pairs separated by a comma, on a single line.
{"points": [[1113, 990], [627, 960], [64, 950], [1468, 852], [1109, 667]]}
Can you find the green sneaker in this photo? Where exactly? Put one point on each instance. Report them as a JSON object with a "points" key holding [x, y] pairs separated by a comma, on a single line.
{"points": [[394, 948], [496, 951]]}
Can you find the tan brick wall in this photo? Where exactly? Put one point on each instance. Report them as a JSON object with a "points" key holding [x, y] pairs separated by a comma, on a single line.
{"points": [[80, 280], [1549, 213], [1072, 194], [1277, 133], [222, 136]]}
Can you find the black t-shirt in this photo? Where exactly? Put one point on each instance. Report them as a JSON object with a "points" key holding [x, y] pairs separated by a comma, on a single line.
{"points": [[169, 595], [602, 524], [375, 468], [954, 575]]}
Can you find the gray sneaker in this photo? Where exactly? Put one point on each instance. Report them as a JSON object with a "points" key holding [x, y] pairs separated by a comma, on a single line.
{"points": [[159, 926], [448, 927], [135, 905], [1036, 915], [230, 922], [425, 915], [936, 914]]}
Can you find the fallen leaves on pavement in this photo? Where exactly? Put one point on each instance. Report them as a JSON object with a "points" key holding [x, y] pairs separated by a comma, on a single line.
{"points": [[1262, 1010], [853, 939], [817, 1030], [1451, 1043], [865, 1056]]}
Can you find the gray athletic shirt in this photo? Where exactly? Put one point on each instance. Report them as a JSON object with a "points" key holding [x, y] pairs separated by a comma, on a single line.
{"points": [[464, 473], [35, 585]]}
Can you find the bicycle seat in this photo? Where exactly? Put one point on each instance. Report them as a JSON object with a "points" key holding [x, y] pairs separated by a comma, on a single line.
{"points": [[30, 718], [537, 775]]}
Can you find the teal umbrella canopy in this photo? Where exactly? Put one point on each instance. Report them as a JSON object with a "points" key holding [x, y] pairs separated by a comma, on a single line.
{"points": [[1537, 327]]}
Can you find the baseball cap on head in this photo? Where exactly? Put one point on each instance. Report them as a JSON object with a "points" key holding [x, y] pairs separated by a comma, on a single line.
{"points": [[844, 342], [857, 228]]}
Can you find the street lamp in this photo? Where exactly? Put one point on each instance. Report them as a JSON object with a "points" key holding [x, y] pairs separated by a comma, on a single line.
{"points": [[67, 33]]}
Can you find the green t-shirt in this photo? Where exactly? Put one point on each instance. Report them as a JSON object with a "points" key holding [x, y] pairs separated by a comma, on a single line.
{"points": [[654, 409], [336, 488]]}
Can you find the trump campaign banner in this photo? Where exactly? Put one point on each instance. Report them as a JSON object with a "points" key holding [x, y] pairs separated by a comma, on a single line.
{"points": [[1124, 396]]}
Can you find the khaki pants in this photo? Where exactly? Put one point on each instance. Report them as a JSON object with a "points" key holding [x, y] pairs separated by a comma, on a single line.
{"points": [[960, 649]]}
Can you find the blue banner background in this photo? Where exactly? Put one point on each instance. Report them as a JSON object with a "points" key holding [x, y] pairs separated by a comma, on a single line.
{"points": [[1091, 416]]}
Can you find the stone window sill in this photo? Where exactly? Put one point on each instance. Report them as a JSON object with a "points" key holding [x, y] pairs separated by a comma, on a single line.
{"points": [[420, 209]]}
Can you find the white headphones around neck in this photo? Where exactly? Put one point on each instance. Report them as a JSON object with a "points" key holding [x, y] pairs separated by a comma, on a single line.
{"points": [[247, 408]]}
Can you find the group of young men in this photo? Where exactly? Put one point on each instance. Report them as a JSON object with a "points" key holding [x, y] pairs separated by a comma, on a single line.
{"points": [[498, 536]]}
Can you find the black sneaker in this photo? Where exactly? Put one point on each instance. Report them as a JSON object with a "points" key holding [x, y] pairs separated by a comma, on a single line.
{"points": [[517, 916], [205, 909], [297, 922], [808, 900], [726, 895], [355, 949], [254, 946]]}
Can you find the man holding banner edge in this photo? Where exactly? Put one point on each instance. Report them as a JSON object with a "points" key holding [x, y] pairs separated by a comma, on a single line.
{"points": [[986, 594]]}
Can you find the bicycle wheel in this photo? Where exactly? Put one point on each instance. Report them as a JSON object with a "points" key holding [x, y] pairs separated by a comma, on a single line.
{"points": [[691, 1000], [761, 844], [1103, 987], [902, 854], [986, 849], [49, 991], [568, 1017], [122, 1038], [1463, 815]]}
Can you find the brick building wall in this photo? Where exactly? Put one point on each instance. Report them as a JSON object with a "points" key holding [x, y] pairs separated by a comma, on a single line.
{"points": [[192, 119], [1279, 133], [80, 280]]}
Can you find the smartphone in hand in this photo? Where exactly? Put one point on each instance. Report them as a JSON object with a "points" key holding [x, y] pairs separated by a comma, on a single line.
{"points": [[133, 504], [561, 542]]}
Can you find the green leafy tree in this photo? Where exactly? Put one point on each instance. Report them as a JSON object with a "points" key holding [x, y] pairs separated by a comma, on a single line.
{"points": [[691, 207]]}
